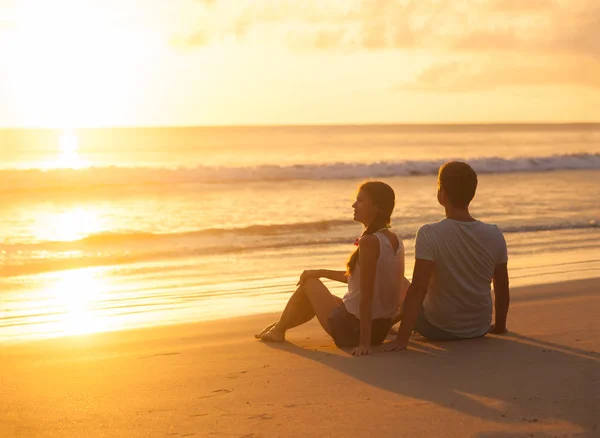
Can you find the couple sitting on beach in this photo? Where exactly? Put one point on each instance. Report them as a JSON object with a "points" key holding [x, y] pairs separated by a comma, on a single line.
{"points": [[449, 297]]}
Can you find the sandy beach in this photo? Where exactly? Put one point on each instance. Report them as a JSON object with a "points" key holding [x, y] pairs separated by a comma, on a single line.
{"points": [[169, 171], [213, 379]]}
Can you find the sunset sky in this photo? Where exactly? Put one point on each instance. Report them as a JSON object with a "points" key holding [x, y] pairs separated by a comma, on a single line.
{"points": [[76, 63]]}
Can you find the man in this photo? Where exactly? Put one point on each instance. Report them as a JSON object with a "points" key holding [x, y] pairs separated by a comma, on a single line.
{"points": [[456, 260]]}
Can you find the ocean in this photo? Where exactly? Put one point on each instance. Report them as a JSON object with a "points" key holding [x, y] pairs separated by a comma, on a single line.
{"points": [[110, 229]]}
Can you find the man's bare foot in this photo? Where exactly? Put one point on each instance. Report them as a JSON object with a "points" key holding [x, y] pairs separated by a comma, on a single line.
{"points": [[265, 330], [273, 335]]}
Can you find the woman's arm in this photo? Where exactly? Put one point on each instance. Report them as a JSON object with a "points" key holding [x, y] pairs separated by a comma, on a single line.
{"points": [[334, 275], [367, 262], [323, 273]]}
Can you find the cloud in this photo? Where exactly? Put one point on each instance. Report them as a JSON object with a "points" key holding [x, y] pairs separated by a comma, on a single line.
{"points": [[458, 76], [196, 39], [520, 6], [538, 41], [311, 24], [469, 25], [581, 32]]}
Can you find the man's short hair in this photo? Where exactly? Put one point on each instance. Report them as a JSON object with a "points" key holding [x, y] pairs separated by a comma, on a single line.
{"points": [[459, 182]]}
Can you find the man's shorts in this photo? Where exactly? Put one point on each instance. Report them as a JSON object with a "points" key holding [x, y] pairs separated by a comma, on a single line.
{"points": [[431, 332]]}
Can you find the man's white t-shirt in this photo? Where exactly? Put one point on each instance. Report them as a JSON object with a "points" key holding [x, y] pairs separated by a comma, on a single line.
{"points": [[459, 297]]}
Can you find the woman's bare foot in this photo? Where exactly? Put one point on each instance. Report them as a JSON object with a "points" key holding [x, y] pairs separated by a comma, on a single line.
{"points": [[265, 330], [273, 335]]}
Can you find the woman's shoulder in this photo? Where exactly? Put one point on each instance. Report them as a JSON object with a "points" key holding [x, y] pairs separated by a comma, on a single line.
{"points": [[368, 241]]}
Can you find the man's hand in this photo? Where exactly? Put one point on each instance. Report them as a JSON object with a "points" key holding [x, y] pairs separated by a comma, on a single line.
{"points": [[497, 330], [361, 350], [394, 346]]}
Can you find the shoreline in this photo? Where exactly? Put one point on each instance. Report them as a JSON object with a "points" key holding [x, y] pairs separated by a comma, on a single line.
{"points": [[196, 288], [581, 287]]}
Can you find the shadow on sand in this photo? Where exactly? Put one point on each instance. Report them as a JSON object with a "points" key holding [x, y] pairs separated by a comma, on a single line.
{"points": [[508, 379]]}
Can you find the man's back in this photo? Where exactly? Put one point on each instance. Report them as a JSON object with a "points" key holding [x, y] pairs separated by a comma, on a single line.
{"points": [[458, 299]]}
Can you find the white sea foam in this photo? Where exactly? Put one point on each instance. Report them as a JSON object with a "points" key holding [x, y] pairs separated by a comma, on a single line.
{"points": [[120, 248], [35, 179]]}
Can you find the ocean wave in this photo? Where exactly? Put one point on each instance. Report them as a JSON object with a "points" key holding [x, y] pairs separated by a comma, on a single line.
{"points": [[551, 227], [237, 239], [131, 238], [126, 248], [75, 179]]}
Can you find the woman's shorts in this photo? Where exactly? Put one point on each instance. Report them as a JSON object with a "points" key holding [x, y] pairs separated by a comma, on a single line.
{"points": [[345, 328]]}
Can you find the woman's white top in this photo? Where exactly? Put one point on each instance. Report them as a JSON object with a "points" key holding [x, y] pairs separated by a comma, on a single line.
{"points": [[389, 281]]}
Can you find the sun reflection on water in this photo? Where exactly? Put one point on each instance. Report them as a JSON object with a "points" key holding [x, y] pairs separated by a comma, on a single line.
{"points": [[69, 225], [76, 294], [69, 158]]}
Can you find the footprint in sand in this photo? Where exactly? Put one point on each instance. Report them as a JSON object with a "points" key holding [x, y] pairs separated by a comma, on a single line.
{"points": [[160, 354], [261, 417], [216, 392]]}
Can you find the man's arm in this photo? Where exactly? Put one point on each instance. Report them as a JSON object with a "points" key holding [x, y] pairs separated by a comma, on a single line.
{"points": [[413, 303], [502, 295]]}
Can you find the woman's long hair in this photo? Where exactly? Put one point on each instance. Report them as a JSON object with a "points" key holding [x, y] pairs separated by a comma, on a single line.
{"points": [[383, 197]]}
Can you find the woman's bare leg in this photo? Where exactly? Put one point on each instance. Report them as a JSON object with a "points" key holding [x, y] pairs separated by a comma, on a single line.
{"points": [[297, 311], [323, 302], [310, 299]]}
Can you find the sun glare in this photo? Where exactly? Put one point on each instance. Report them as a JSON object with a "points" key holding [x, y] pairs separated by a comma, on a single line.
{"points": [[69, 156], [75, 64], [69, 225], [76, 292], [68, 143]]}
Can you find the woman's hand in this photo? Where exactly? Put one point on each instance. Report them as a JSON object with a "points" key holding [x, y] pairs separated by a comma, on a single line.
{"points": [[314, 273], [361, 350], [394, 346]]}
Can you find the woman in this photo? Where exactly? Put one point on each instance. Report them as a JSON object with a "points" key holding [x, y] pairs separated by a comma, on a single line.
{"points": [[375, 278]]}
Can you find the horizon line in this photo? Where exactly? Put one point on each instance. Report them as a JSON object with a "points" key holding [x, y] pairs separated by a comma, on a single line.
{"points": [[311, 125]]}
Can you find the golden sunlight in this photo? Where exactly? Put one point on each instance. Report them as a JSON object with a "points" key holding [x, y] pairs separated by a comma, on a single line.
{"points": [[69, 225], [74, 62], [69, 156], [68, 143], [76, 292]]}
